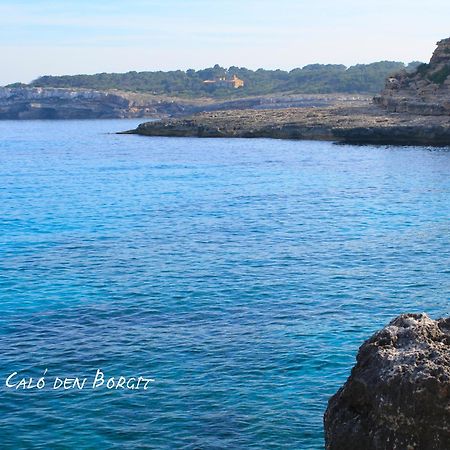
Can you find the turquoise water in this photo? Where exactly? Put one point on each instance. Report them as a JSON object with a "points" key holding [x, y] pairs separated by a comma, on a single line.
{"points": [[240, 275]]}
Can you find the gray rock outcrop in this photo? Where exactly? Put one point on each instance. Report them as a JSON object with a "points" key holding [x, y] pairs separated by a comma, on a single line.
{"points": [[425, 91], [60, 103], [398, 394], [356, 125]]}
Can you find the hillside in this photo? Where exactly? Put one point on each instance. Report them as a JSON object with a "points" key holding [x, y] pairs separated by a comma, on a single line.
{"points": [[311, 79]]}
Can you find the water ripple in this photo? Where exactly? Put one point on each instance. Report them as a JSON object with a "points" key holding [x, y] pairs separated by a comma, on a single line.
{"points": [[242, 275]]}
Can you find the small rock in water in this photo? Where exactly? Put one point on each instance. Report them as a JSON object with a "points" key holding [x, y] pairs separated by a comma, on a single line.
{"points": [[398, 394]]}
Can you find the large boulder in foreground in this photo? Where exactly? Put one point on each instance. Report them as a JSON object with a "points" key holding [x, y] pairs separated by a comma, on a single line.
{"points": [[398, 394]]}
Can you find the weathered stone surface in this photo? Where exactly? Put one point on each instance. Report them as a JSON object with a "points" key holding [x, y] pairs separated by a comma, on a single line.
{"points": [[57, 103], [357, 124], [426, 91], [398, 394]]}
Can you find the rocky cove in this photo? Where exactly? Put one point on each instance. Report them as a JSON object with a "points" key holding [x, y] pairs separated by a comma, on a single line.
{"points": [[413, 109]]}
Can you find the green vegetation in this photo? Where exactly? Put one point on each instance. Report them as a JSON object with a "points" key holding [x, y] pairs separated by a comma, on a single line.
{"points": [[17, 85], [440, 76], [422, 69], [315, 78], [437, 77]]}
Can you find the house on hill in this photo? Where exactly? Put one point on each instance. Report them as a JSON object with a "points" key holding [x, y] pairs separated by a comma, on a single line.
{"points": [[223, 81]]}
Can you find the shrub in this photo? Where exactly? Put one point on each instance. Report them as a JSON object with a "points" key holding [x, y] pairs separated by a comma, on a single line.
{"points": [[440, 76]]}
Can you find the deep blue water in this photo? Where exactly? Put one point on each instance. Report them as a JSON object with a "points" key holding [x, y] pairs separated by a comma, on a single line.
{"points": [[242, 275]]}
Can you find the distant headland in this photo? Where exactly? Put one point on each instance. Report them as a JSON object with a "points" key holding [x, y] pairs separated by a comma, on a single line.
{"points": [[380, 103], [162, 94], [413, 109], [235, 82]]}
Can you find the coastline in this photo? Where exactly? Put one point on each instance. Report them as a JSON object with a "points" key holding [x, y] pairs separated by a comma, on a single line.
{"points": [[54, 103], [354, 125]]}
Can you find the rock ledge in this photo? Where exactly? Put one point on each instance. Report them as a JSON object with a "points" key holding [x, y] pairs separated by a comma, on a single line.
{"points": [[355, 125]]}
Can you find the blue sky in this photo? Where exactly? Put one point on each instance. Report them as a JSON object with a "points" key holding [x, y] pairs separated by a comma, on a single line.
{"points": [[39, 37]]}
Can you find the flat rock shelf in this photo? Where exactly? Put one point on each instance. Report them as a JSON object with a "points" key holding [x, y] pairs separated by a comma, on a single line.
{"points": [[359, 124]]}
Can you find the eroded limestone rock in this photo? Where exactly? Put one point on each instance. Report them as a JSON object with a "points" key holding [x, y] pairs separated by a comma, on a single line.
{"points": [[425, 91], [398, 394], [360, 125]]}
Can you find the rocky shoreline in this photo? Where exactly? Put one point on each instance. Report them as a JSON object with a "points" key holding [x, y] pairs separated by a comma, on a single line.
{"points": [[27, 103], [413, 109], [357, 125]]}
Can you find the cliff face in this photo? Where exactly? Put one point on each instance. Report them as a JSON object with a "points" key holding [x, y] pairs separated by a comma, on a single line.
{"points": [[61, 103], [426, 91], [54, 103], [398, 394]]}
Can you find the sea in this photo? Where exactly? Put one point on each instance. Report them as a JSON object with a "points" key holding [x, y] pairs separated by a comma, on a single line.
{"points": [[235, 279]]}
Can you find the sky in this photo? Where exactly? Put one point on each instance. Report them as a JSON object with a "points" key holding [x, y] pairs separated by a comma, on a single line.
{"points": [[43, 37]]}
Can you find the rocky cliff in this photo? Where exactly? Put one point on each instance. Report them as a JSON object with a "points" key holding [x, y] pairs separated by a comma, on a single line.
{"points": [[398, 394], [55, 103], [62, 103], [425, 91]]}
